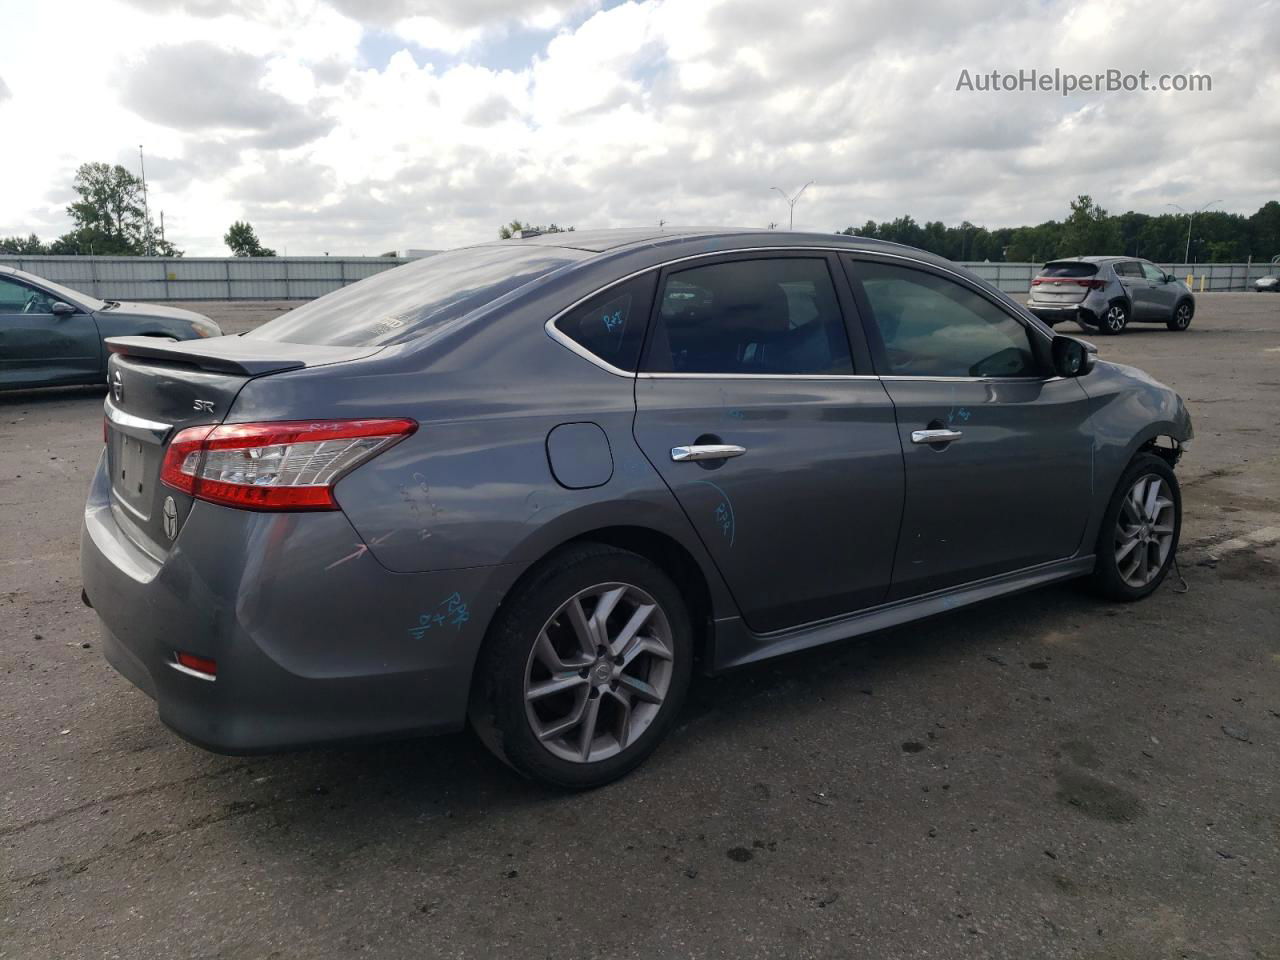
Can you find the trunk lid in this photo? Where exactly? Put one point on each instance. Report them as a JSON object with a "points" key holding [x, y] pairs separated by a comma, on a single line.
{"points": [[156, 389], [1063, 282]]}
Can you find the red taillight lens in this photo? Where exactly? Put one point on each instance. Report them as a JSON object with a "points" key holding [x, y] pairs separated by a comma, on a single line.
{"points": [[290, 465], [182, 459], [199, 664], [1092, 284]]}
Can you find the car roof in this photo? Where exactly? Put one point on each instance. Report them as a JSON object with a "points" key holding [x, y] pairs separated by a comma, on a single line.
{"points": [[1107, 259], [617, 240]]}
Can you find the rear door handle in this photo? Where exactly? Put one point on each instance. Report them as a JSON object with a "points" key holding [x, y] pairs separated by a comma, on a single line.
{"points": [[707, 451], [935, 436]]}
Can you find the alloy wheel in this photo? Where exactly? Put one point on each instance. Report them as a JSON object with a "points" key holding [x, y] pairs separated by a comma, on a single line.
{"points": [[1115, 318], [599, 672], [1144, 530], [1182, 316]]}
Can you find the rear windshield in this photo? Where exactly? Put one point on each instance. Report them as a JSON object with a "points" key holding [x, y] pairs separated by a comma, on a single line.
{"points": [[407, 302], [1071, 268]]}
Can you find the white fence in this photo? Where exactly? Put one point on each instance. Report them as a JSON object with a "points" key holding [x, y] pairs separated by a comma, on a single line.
{"points": [[203, 278], [304, 278]]}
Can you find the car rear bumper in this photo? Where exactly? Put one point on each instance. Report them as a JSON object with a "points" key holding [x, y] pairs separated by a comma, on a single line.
{"points": [[1060, 313], [315, 641]]}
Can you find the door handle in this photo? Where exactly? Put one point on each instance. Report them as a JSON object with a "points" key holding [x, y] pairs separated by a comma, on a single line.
{"points": [[935, 436], [707, 451]]}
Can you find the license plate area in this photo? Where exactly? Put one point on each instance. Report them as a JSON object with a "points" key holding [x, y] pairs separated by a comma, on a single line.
{"points": [[132, 475]]}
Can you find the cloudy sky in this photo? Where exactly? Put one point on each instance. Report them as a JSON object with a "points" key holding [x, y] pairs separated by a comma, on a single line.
{"points": [[358, 126]]}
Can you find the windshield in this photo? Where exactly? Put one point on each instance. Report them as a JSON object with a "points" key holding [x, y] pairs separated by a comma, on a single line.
{"points": [[406, 302], [74, 297]]}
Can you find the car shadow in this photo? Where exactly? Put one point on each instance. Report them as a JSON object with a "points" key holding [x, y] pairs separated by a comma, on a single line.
{"points": [[452, 780]]}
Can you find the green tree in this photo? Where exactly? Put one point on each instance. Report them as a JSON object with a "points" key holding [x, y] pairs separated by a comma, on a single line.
{"points": [[108, 216], [1264, 231], [243, 242], [29, 246], [109, 219], [509, 230], [1088, 231]]}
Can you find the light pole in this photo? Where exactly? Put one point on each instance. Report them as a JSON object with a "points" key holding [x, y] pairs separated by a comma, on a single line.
{"points": [[1191, 215], [791, 202], [146, 213]]}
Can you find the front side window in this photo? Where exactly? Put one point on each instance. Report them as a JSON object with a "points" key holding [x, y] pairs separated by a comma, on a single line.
{"points": [[750, 317], [934, 327], [611, 324], [19, 298], [1153, 273]]}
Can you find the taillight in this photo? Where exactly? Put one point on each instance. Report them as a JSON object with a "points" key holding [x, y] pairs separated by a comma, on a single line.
{"points": [[1092, 284], [290, 465]]}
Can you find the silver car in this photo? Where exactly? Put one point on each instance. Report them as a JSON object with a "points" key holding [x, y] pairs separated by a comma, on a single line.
{"points": [[51, 335], [1269, 284], [1109, 293]]}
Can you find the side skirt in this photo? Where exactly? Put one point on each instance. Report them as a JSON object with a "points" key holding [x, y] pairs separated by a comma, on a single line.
{"points": [[736, 646]]}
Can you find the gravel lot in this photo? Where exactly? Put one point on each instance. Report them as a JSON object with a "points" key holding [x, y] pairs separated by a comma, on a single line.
{"points": [[1043, 776]]}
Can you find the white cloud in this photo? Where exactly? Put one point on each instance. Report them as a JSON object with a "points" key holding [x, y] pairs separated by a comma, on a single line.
{"points": [[688, 110]]}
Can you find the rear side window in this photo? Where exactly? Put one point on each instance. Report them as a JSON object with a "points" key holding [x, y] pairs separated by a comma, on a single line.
{"points": [[611, 324], [408, 302], [934, 327], [769, 316], [1069, 269], [1128, 269]]}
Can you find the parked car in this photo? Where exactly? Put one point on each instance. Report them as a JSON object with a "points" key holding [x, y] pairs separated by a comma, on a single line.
{"points": [[51, 335], [1108, 293], [1269, 284], [536, 483]]}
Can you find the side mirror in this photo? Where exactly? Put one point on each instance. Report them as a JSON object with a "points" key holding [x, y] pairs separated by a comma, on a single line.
{"points": [[1169, 278], [60, 309], [1072, 357]]}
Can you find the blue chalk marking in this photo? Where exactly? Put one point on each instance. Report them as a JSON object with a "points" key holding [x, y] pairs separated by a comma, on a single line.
{"points": [[723, 514], [451, 611]]}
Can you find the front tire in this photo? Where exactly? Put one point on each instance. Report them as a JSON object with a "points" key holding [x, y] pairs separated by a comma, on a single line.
{"points": [[1181, 318], [585, 668], [1139, 534], [1115, 319]]}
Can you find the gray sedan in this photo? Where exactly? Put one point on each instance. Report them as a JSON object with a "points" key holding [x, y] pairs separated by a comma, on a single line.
{"points": [[51, 335], [533, 485]]}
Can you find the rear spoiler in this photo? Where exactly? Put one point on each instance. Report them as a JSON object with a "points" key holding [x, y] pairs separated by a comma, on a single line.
{"points": [[236, 355]]}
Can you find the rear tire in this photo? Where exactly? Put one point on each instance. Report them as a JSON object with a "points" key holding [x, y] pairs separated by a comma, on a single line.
{"points": [[1115, 319], [1182, 314], [616, 700], [1138, 538]]}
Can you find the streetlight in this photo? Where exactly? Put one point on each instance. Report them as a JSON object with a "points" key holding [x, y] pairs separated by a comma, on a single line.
{"points": [[1191, 215], [791, 202], [146, 212]]}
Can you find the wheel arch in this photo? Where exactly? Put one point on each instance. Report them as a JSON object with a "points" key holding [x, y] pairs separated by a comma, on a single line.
{"points": [[675, 559]]}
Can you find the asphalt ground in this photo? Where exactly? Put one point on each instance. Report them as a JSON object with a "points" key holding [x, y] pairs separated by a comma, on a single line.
{"points": [[1047, 775]]}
